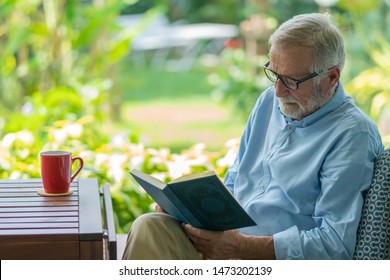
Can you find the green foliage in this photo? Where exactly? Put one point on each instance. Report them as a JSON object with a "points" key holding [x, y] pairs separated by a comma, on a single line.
{"points": [[371, 87], [171, 86], [109, 161], [286, 9], [221, 11], [358, 6], [57, 70], [57, 74], [52, 46], [368, 61], [238, 79]]}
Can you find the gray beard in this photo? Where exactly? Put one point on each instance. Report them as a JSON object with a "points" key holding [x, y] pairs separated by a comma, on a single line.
{"points": [[290, 107]]}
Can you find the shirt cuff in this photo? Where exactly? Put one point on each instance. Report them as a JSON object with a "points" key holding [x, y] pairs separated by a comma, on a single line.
{"points": [[287, 244]]}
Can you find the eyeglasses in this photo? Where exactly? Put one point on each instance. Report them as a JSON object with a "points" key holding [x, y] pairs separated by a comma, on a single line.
{"points": [[290, 83]]}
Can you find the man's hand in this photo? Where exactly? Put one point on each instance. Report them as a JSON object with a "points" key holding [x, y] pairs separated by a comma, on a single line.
{"points": [[230, 244], [159, 209], [216, 245]]}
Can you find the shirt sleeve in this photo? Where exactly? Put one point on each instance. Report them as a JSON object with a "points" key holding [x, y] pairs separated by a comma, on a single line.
{"points": [[231, 174], [345, 174]]}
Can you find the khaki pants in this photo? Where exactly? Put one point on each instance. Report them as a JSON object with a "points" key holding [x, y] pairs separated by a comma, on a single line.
{"points": [[158, 236]]}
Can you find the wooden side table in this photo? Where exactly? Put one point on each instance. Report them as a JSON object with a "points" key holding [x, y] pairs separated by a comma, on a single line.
{"points": [[38, 227]]}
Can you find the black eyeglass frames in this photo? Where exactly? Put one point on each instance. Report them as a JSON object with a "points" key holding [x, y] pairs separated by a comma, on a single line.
{"points": [[289, 82]]}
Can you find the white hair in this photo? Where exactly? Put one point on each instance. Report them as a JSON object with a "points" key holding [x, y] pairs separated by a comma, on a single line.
{"points": [[316, 32]]}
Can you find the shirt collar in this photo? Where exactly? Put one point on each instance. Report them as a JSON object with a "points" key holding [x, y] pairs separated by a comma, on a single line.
{"points": [[335, 102]]}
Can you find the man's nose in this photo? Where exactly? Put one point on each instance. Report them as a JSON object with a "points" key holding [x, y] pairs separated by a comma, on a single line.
{"points": [[280, 89]]}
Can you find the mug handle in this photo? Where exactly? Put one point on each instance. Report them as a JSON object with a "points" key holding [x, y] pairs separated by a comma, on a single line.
{"points": [[81, 164]]}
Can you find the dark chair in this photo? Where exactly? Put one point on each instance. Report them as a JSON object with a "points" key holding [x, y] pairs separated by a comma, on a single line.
{"points": [[373, 236]]}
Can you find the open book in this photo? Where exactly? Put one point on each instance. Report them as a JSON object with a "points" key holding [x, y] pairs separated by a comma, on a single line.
{"points": [[200, 199]]}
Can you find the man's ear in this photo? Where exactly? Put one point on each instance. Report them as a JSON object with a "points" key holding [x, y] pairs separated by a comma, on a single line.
{"points": [[334, 75]]}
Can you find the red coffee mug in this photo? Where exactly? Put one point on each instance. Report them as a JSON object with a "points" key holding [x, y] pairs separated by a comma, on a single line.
{"points": [[56, 170]]}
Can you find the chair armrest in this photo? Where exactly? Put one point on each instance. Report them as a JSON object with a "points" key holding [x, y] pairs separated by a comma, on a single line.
{"points": [[109, 232]]}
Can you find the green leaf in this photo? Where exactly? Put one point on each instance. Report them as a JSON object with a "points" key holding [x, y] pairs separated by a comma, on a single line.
{"points": [[379, 102], [7, 64], [359, 6], [6, 7], [19, 37], [118, 50]]}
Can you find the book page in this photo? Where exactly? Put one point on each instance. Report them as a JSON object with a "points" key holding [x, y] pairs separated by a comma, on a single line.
{"points": [[193, 176]]}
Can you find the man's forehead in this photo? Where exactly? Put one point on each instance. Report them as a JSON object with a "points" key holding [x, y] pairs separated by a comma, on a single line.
{"points": [[292, 60]]}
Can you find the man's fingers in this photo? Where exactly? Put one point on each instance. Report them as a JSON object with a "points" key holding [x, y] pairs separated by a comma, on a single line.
{"points": [[200, 235]]}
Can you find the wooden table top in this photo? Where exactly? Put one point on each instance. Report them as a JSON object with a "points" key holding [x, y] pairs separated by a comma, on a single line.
{"points": [[26, 216]]}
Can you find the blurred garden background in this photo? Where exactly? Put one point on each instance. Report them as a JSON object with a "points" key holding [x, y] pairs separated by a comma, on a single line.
{"points": [[161, 86]]}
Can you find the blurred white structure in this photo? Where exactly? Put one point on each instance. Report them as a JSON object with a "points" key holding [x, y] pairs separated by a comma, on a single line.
{"points": [[161, 38]]}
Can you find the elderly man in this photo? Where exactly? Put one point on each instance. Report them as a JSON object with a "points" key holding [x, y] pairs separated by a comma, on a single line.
{"points": [[306, 156]]}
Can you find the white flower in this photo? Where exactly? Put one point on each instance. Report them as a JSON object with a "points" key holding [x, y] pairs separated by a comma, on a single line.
{"points": [[115, 165], [178, 168], [232, 147], [232, 143], [201, 160], [136, 162], [156, 160], [107, 84], [23, 153], [4, 164], [74, 130], [89, 92], [164, 152], [25, 136], [60, 135], [228, 159], [15, 175], [86, 154], [100, 159], [137, 149], [119, 140], [27, 109], [8, 140]]}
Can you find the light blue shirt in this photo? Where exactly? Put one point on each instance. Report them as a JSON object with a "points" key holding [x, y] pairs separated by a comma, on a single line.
{"points": [[302, 181]]}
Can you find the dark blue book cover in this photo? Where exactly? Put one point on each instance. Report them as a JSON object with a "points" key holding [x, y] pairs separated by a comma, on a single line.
{"points": [[200, 199]]}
